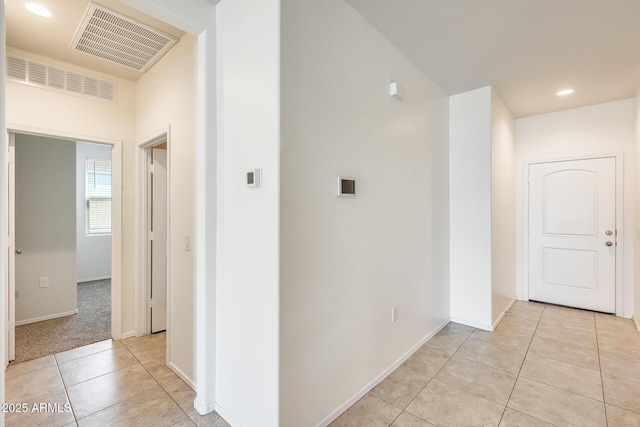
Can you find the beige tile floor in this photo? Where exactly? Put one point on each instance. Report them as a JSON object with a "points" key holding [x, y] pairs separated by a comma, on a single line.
{"points": [[543, 366], [123, 383]]}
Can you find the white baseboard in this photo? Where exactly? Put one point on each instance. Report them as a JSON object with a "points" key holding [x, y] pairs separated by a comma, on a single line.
{"points": [[93, 279], [182, 375], [228, 418], [47, 317], [636, 321], [504, 312], [204, 409], [377, 380], [128, 335], [472, 324]]}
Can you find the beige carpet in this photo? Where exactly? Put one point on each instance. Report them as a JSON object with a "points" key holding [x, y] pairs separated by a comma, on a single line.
{"points": [[91, 324]]}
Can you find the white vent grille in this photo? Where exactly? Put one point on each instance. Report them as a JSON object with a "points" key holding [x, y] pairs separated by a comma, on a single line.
{"points": [[119, 39], [57, 78], [33, 73]]}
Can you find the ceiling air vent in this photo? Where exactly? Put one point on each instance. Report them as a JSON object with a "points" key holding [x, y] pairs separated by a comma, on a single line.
{"points": [[38, 74], [119, 39]]}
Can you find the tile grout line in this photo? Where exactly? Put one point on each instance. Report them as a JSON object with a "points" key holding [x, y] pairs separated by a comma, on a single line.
{"points": [[82, 382], [526, 353], [436, 373], [97, 376], [469, 336], [82, 357], [493, 344], [132, 397], [427, 383], [539, 323], [160, 385], [66, 393], [604, 402], [570, 364], [66, 386], [602, 380]]}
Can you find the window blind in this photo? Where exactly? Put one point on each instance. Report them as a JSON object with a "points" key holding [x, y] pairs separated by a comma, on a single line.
{"points": [[98, 207]]}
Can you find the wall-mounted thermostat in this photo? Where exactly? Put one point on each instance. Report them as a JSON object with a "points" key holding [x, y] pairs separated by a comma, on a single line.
{"points": [[254, 178], [346, 187]]}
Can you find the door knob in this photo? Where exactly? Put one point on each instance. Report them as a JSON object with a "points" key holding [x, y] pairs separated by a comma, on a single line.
{"points": [[18, 251], [609, 243]]}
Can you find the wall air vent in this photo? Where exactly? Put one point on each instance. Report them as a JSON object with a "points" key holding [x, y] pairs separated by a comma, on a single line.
{"points": [[116, 38], [38, 74]]}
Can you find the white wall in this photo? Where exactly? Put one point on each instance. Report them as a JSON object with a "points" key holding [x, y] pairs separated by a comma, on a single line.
{"points": [[482, 203], [165, 98], [3, 217], [345, 262], [93, 252], [89, 120], [503, 208], [595, 130], [247, 371], [636, 118], [45, 208], [470, 174]]}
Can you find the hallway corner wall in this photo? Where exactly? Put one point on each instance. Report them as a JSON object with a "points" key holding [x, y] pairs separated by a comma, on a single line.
{"points": [[503, 208], [345, 262], [165, 98], [248, 279], [636, 180]]}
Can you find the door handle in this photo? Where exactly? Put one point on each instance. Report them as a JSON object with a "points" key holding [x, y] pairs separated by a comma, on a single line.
{"points": [[18, 251], [609, 243]]}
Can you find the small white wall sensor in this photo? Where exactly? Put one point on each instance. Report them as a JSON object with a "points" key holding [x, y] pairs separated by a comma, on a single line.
{"points": [[346, 187], [254, 177], [394, 90]]}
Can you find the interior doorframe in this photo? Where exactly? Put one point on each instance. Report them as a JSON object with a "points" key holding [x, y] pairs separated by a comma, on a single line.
{"points": [[11, 244], [143, 291], [116, 209], [619, 179]]}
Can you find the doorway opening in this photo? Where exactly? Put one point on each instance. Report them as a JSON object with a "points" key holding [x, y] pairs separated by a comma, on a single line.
{"points": [[156, 228], [61, 218]]}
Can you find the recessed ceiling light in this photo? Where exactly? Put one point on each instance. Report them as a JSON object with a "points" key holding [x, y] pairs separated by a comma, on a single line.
{"points": [[38, 9], [565, 92]]}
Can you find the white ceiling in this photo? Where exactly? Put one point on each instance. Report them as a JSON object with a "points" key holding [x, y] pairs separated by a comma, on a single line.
{"points": [[526, 49], [52, 36]]}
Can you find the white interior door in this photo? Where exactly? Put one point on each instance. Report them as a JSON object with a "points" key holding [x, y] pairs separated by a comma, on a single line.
{"points": [[159, 241], [572, 233], [11, 250]]}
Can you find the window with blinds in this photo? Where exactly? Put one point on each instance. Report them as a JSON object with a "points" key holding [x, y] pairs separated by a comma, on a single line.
{"points": [[98, 207]]}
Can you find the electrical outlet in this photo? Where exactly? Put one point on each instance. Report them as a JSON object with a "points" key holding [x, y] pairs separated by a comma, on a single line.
{"points": [[44, 282], [394, 314]]}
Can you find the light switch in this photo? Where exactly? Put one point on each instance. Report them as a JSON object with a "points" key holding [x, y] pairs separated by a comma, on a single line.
{"points": [[254, 178]]}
